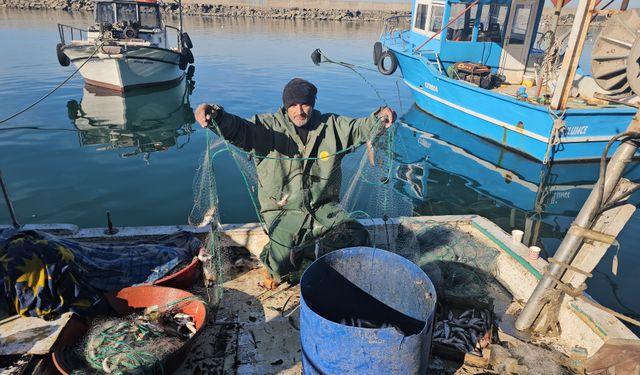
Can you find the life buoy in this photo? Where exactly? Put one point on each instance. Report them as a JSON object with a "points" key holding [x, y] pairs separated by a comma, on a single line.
{"points": [[63, 59], [393, 63], [377, 52], [186, 41]]}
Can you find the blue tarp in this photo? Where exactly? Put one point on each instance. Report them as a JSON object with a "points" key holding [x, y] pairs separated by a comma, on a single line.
{"points": [[45, 275]]}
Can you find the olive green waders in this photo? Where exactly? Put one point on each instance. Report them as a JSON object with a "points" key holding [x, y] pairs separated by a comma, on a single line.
{"points": [[292, 247]]}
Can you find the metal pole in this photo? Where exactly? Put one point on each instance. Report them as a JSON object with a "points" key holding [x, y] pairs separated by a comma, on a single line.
{"points": [[12, 213], [571, 243], [180, 22], [556, 16]]}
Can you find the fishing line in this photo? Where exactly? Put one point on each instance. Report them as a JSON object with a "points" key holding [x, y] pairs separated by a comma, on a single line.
{"points": [[54, 89], [317, 55]]}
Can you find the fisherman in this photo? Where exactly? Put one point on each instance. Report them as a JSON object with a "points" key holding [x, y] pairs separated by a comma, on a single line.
{"points": [[298, 152]]}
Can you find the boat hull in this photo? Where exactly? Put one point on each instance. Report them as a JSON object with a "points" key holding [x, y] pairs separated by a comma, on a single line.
{"points": [[133, 68], [492, 171], [518, 125]]}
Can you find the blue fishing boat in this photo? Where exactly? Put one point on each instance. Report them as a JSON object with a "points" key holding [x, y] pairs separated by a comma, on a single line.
{"points": [[474, 64], [490, 180]]}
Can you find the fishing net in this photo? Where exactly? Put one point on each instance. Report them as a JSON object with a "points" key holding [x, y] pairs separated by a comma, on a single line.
{"points": [[380, 179], [140, 343], [205, 213]]}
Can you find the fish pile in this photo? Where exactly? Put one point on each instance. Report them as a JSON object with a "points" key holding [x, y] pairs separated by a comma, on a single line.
{"points": [[468, 333], [364, 323]]}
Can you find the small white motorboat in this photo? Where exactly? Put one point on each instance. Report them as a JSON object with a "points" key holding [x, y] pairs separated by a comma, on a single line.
{"points": [[127, 48]]}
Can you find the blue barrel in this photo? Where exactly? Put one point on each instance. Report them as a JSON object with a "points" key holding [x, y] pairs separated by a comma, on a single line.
{"points": [[365, 310]]}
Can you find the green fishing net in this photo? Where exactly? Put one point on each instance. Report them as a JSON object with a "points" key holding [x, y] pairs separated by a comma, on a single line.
{"points": [[206, 214]]}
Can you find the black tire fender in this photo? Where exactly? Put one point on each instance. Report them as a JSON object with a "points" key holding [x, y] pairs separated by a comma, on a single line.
{"points": [[186, 41], [183, 62], [189, 55], [63, 59], [377, 52], [393, 63]]}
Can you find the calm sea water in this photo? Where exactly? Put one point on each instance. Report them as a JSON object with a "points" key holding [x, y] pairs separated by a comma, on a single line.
{"points": [[136, 157]]}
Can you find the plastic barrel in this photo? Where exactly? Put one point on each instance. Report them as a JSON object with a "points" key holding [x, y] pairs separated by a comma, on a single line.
{"points": [[365, 310]]}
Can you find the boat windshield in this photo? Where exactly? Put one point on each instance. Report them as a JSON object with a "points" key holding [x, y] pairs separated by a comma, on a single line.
{"points": [[149, 16], [126, 12], [104, 13]]}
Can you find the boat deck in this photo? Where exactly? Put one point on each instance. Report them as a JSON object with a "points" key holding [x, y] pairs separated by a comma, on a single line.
{"points": [[573, 102], [255, 330], [252, 330]]}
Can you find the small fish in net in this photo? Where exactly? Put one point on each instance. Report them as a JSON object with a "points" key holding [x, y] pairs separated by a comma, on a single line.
{"points": [[134, 344]]}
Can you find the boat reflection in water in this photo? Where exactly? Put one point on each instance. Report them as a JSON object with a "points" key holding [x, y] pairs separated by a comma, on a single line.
{"points": [[144, 121], [448, 171]]}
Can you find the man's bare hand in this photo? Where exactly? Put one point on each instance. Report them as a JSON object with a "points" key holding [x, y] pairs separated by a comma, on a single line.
{"points": [[204, 113], [387, 116]]}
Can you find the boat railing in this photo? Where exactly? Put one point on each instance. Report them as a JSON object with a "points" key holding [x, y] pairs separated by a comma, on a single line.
{"points": [[177, 31], [396, 29], [72, 32]]}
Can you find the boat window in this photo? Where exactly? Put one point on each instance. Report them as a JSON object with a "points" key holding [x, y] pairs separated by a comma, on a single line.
{"points": [[104, 13], [461, 30], [492, 16], [126, 13], [149, 16], [520, 21], [435, 24], [421, 16]]}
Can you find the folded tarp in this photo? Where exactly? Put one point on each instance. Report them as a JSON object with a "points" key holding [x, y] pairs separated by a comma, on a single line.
{"points": [[45, 275]]}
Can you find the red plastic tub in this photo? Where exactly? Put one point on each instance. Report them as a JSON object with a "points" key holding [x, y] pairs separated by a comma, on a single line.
{"points": [[124, 302], [181, 279]]}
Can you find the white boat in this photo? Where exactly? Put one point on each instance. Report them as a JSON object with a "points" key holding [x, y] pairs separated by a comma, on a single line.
{"points": [[127, 48]]}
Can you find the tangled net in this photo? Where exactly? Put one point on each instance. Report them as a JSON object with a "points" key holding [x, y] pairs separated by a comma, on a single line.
{"points": [[135, 344], [205, 213]]}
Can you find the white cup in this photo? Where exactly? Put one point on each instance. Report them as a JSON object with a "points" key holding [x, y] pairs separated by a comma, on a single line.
{"points": [[534, 252], [517, 234]]}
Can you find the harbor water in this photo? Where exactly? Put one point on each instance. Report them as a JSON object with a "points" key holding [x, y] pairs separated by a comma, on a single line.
{"points": [[81, 153]]}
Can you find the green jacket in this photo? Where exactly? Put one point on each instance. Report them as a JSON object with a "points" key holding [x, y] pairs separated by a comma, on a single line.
{"points": [[288, 186]]}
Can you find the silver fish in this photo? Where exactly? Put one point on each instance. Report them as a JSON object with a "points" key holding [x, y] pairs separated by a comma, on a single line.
{"points": [[371, 154]]}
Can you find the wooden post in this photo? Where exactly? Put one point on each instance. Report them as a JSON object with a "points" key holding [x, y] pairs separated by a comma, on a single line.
{"points": [[572, 56], [624, 5]]}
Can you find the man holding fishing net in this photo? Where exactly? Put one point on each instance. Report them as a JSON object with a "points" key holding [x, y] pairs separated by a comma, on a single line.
{"points": [[298, 151]]}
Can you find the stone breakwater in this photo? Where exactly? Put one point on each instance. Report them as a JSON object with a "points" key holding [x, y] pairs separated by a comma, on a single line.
{"points": [[220, 10]]}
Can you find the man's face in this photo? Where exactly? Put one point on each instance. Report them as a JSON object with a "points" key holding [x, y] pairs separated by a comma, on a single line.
{"points": [[300, 114]]}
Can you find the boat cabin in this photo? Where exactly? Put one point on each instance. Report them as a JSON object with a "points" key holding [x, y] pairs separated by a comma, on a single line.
{"points": [[496, 33], [124, 19]]}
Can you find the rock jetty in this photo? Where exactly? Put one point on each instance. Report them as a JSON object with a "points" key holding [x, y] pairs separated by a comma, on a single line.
{"points": [[225, 10]]}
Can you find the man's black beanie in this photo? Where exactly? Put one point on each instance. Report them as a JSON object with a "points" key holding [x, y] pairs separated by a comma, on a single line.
{"points": [[299, 91]]}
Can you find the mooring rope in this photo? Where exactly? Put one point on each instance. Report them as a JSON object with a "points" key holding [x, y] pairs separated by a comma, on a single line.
{"points": [[54, 89]]}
